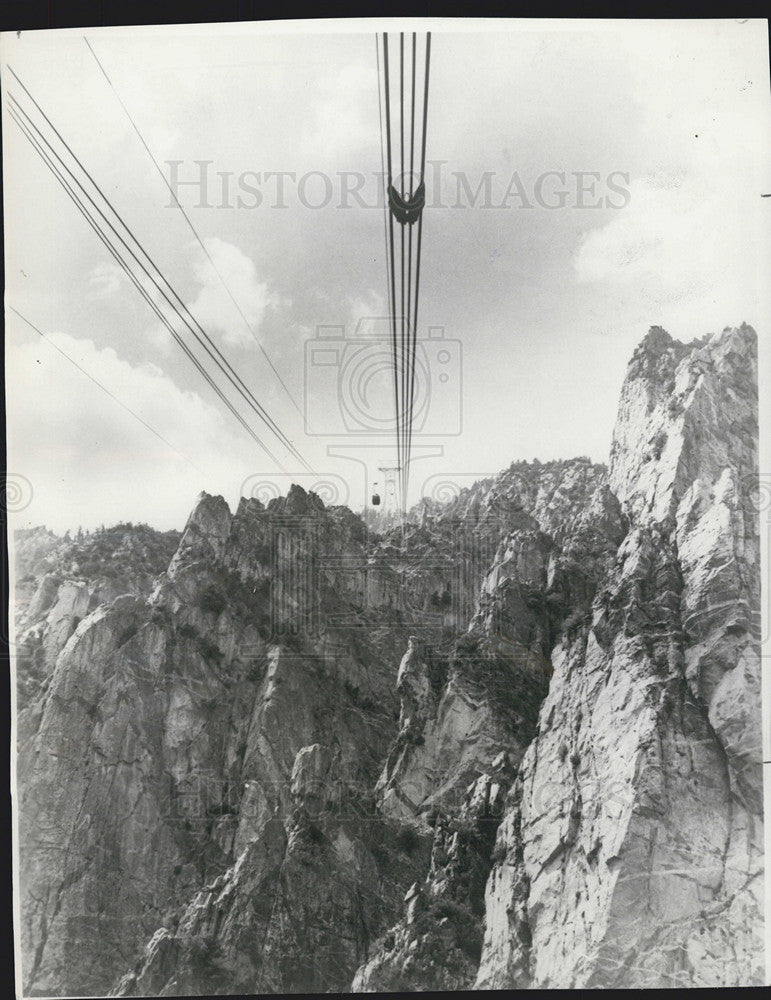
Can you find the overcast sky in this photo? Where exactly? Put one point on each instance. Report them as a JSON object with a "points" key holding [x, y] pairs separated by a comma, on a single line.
{"points": [[548, 303]]}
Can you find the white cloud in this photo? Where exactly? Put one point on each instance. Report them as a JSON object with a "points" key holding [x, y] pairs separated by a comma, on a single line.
{"points": [[107, 279], [648, 238], [371, 304], [213, 306], [90, 461], [346, 115], [684, 249], [160, 339]]}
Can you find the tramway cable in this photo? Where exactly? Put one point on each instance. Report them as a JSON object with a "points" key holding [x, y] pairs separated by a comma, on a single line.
{"points": [[406, 201], [392, 265], [192, 228], [419, 240], [106, 240], [201, 336], [207, 343], [137, 283]]}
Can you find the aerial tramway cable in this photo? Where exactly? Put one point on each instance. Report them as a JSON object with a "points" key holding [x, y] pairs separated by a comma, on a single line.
{"points": [[192, 228], [91, 219], [411, 351], [199, 334], [405, 301], [419, 240], [405, 208], [391, 266], [111, 246]]}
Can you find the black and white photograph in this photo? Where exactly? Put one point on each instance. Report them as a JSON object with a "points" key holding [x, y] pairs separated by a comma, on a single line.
{"points": [[388, 504]]}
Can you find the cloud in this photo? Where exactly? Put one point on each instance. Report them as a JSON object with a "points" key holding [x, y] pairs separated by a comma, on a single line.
{"points": [[107, 279], [346, 115], [683, 248], [677, 104], [213, 306], [160, 339], [371, 304], [89, 460], [647, 238]]}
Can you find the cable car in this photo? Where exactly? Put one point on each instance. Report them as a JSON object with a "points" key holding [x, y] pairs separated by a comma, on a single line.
{"points": [[375, 497]]}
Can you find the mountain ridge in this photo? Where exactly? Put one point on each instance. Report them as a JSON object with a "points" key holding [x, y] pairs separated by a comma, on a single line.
{"points": [[436, 756]]}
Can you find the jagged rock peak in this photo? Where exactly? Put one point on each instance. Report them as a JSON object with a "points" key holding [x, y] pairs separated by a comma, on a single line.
{"points": [[647, 760], [210, 515], [686, 412], [658, 344], [297, 501]]}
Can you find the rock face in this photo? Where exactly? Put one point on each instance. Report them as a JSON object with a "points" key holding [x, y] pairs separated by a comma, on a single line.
{"points": [[437, 943], [60, 580], [186, 715], [514, 743], [631, 849], [467, 720]]}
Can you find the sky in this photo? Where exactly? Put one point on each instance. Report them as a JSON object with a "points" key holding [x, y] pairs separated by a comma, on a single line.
{"points": [[624, 163]]}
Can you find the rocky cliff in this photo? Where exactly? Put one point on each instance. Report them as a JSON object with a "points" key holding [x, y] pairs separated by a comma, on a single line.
{"points": [[515, 743], [630, 853], [59, 580]]}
